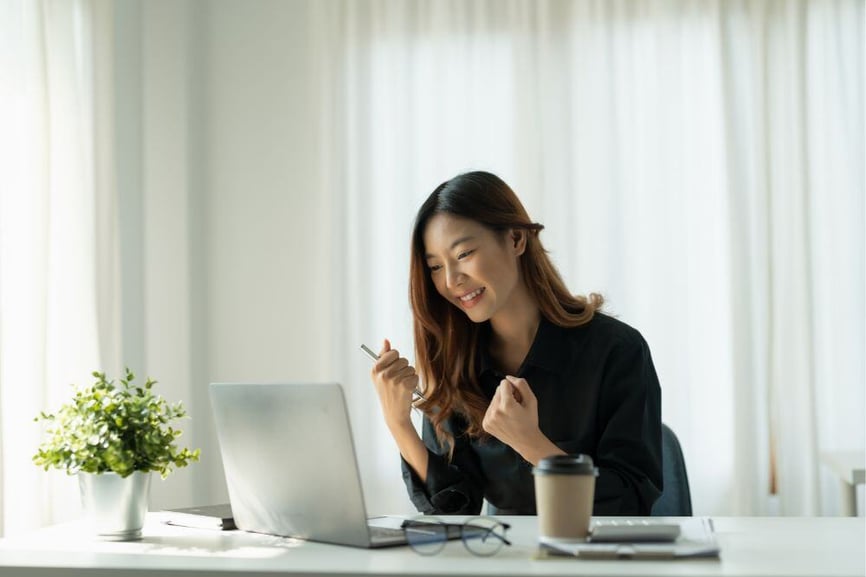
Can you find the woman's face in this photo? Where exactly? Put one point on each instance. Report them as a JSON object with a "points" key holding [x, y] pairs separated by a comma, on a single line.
{"points": [[472, 267]]}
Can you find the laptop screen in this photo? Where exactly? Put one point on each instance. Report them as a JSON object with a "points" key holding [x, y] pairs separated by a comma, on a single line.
{"points": [[289, 461]]}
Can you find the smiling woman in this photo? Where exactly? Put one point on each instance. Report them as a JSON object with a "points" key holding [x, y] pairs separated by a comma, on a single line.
{"points": [[514, 367]]}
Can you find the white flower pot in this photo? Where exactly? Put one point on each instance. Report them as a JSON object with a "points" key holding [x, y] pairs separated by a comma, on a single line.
{"points": [[115, 506]]}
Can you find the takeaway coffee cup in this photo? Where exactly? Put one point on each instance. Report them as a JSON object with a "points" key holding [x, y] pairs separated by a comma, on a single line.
{"points": [[564, 490]]}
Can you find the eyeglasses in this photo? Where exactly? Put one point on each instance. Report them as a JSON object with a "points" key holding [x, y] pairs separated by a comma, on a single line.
{"points": [[482, 536]]}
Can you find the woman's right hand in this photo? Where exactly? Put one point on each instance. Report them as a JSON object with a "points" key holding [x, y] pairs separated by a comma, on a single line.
{"points": [[395, 380]]}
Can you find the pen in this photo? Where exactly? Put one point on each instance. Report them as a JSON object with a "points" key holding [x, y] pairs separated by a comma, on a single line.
{"points": [[375, 357], [369, 352]]}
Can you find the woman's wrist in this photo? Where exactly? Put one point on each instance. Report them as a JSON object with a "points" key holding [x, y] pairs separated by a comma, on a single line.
{"points": [[401, 426], [538, 448], [411, 447]]}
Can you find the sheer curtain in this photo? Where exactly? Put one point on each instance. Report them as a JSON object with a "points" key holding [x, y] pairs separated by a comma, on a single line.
{"points": [[56, 250], [700, 163]]}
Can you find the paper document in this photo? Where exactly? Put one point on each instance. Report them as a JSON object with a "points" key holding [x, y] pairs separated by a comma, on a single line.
{"points": [[206, 517], [697, 539]]}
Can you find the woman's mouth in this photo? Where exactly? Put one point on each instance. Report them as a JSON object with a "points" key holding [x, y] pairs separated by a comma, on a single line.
{"points": [[469, 300]]}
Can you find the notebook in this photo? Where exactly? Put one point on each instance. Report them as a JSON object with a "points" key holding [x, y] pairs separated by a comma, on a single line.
{"points": [[696, 538], [290, 463]]}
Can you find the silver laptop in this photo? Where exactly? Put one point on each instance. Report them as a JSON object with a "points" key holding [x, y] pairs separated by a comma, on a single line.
{"points": [[290, 463]]}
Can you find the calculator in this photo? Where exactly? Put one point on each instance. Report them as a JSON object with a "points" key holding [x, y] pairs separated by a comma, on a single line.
{"points": [[633, 531]]}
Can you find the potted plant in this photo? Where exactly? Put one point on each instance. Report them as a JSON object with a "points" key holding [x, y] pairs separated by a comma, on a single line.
{"points": [[113, 436]]}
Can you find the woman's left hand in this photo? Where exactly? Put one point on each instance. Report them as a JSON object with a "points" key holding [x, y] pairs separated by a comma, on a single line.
{"points": [[512, 417]]}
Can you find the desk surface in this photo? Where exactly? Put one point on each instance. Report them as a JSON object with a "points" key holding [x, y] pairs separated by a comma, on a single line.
{"points": [[759, 547]]}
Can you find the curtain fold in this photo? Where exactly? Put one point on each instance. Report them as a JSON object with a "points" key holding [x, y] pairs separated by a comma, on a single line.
{"points": [[49, 221]]}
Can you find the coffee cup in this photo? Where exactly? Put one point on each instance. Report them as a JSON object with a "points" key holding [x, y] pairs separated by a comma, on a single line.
{"points": [[564, 492]]}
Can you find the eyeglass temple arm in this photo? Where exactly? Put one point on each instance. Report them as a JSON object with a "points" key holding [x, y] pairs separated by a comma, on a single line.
{"points": [[489, 531]]}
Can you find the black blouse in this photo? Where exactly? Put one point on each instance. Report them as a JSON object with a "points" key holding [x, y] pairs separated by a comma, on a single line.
{"points": [[597, 393]]}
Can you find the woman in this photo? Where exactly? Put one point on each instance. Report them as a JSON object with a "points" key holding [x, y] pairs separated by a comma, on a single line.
{"points": [[514, 367]]}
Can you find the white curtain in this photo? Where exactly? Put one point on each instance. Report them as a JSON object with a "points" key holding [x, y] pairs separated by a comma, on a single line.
{"points": [[56, 249], [700, 163]]}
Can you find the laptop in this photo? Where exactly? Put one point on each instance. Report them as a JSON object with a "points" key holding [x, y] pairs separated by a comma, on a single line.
{"points": [[290, 463]]}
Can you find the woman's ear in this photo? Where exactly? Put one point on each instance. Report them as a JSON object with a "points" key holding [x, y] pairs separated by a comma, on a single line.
{"points": [[518, 240]]}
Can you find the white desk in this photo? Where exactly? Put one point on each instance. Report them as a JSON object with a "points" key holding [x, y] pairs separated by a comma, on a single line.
{"points": [[850, 468], [751, 547]]}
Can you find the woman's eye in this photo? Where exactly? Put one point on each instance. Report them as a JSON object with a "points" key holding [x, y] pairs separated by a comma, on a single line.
{"points": [[464, 254], [435, 267]]}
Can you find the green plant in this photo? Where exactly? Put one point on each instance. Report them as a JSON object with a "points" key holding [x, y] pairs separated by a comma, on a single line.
{"points": [[121, 428]]}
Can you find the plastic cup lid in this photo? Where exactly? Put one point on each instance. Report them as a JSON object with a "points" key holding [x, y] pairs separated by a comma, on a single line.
{"points": [[566, 465]]}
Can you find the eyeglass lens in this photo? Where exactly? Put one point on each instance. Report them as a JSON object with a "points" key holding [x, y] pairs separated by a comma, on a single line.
{"points": [[426, 536], [483, 536]]}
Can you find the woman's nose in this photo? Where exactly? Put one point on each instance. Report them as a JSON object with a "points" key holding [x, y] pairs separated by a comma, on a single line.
{"points": [[453, 276]]}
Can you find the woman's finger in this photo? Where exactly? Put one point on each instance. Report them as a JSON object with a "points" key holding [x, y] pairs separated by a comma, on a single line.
{"points": [[388, 358], [386, 346], [521, 388], [505, 394]]}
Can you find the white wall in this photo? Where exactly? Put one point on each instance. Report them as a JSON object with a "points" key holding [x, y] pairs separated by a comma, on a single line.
{"points": [[268, 288], [225, 264]]}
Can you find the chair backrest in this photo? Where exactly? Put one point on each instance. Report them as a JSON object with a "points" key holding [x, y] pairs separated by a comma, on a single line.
{"points": [[676, 499]]}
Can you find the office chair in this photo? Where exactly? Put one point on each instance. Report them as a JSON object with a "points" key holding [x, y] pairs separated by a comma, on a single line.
{"points": [[675, 500]]}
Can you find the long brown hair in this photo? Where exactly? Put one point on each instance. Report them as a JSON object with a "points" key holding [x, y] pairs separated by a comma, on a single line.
{"points": [[446, 340]]}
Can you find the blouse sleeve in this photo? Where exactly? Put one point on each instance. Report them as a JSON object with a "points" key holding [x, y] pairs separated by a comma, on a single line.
{"points": [[629, 448], [454, 488]]}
